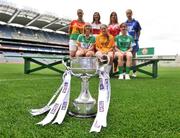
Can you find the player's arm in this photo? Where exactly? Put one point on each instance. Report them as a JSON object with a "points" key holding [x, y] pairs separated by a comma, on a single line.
{"points": [[91, 48], [139, 29], [70, 28], [78, 43], [117, 49], [116, 46], [139, 33], [97, 49], [97, 44], [111, 45], [131, 45], [130, 49]]}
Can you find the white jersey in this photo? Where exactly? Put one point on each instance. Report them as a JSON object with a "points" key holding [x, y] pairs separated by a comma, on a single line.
{"points": [[96, 28]]}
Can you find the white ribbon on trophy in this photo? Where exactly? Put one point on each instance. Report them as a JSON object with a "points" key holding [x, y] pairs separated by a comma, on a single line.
{"points": [[46, 108], [63, 109], [49, 105], [103, 102], [60, 106]]}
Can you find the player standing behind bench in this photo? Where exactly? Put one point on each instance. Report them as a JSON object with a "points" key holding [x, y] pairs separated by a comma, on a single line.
{"points": [[105, 45], [114, 30], [85, 42], [96, 24], [123, 50], [75, 29], [113, 26], [134, 30]]}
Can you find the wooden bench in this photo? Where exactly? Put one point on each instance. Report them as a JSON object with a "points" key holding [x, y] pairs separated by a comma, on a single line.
{"points": [[148, 61], [139, 67]]}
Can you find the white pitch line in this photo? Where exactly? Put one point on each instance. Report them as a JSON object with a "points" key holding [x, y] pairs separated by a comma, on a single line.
{"points": [[6, 80]]}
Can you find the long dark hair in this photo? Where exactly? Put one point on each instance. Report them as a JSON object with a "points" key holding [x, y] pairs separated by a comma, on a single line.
{"points": [[94, 17], [116, 19]]}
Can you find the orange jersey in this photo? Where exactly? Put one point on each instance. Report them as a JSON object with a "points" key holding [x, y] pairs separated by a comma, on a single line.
{"points": [[76, 28], [104, 44]]}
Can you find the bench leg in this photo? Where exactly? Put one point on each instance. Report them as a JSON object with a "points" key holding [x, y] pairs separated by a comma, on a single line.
{"points": [[26, 66], [155, 69]]}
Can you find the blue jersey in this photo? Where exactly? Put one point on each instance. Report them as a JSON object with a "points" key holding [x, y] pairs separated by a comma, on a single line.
{"points": [[133, 28]]}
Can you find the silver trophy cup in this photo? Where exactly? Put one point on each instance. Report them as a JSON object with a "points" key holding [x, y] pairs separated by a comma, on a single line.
{"points": [[84, 104]]}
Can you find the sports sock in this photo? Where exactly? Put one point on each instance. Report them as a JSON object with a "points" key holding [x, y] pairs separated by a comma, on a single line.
{"points": [[127, 70], [120, 69]]}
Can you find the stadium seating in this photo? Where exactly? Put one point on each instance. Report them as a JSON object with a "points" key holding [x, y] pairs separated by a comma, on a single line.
{"points": [[27, 31], [28, 40]]}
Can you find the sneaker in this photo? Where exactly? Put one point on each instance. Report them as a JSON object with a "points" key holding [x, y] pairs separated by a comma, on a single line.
{"points": [[121, 77], [134, 75], [127, 77]]}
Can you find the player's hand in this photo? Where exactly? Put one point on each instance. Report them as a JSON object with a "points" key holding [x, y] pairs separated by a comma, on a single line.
{"points": [[122, 52], [85, 50]]}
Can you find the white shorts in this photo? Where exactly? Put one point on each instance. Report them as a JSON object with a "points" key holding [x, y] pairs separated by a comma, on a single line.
{"points": [[72, 45]]}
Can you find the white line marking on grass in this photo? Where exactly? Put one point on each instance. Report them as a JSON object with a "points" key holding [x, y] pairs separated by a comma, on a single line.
{"points": [[5, 80]]}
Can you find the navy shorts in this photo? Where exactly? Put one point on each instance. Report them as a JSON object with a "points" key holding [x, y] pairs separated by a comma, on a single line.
{"points": [[136, 47]]}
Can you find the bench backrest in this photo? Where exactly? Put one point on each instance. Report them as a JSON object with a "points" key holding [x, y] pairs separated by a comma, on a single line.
{"points": [[147, 52]]}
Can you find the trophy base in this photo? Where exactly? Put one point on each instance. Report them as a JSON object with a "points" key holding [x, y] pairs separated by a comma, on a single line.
{"points": [[83, 109], [93, 115]]}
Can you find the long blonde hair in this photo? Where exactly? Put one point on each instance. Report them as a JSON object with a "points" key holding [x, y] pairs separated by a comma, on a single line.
{"points": [[107, 35]]}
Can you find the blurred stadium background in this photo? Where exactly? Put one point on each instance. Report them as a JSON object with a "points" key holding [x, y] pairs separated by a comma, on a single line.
{"points": [[27, 32]]}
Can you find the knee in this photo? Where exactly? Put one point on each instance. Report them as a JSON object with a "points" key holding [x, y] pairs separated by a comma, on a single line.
{"points": [[89, 54], [129, 56], [120, 57], [72, 53], [79, 53]]}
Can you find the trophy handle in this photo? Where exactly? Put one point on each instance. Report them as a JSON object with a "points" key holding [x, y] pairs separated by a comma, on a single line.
{"points": [[65, 63]]}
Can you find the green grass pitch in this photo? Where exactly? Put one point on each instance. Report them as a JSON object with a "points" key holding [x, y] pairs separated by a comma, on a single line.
{"points": [[142, 107]]}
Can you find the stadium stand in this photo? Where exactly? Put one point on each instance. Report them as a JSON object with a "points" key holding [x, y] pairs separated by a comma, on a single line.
{"points": [[26, 39], [27, 33], [17, 28]]}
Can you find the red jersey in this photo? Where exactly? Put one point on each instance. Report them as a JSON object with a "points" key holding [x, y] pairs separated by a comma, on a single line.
{"points": [[114, 29]]}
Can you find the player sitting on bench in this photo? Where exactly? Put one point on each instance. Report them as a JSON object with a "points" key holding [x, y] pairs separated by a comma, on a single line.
{"points": [[85, 42], [123, 48], [105, 45]]}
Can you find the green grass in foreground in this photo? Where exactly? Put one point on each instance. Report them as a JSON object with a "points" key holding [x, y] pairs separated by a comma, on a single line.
{"points": [[142, 107]]}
